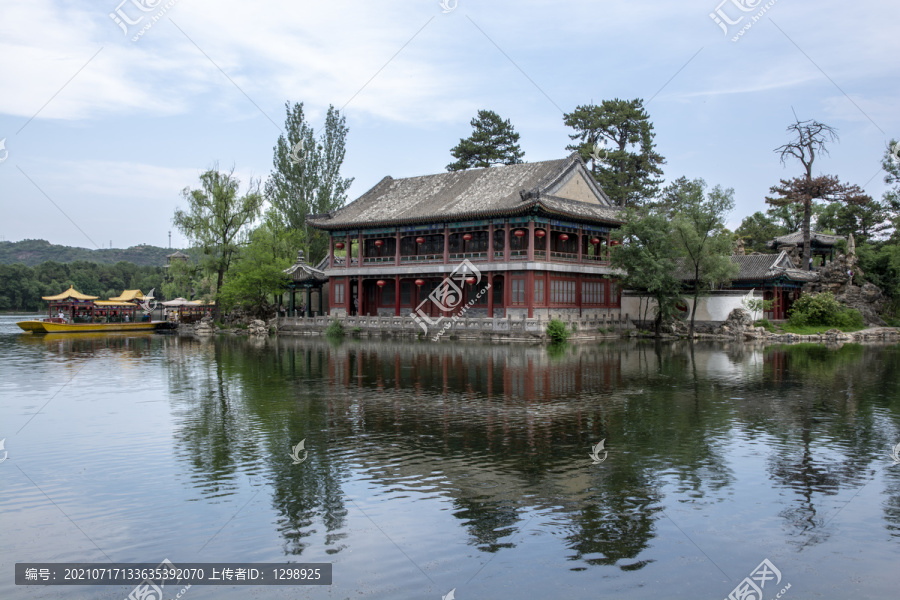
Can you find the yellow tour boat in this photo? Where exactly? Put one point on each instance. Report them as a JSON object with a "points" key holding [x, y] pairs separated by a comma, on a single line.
{"points": [[77, 313]]}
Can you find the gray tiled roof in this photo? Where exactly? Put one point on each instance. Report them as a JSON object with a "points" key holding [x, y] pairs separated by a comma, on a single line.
{"points": [[759, 267], [472, 194], [820, 239], [300, 271]]}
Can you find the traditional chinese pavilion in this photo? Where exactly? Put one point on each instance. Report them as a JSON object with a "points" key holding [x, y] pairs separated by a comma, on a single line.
{"points": [[537, 233]]}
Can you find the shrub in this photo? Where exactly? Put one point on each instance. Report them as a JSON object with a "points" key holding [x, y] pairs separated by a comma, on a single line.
{"points": [[823, 310], [556, 331], [335, 329], [765, 324]]}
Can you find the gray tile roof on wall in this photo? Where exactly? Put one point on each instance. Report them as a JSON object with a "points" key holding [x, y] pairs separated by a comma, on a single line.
{"points": [[470, 194], [758, 267]]}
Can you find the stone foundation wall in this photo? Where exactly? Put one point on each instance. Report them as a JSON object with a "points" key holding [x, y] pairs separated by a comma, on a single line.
{"points": [[511, 328]]}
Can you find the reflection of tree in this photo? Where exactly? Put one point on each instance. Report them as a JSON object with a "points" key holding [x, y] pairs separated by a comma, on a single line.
{"points": [[825, 434], [234, 394]]}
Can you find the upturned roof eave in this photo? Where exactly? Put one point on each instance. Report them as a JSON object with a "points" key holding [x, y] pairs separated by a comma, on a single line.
{"points": [[467, 216]]}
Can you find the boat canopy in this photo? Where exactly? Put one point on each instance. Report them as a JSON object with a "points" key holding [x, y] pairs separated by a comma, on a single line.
{"points": [[128, 296], [176, 302], [108, 303], [70, 294]]}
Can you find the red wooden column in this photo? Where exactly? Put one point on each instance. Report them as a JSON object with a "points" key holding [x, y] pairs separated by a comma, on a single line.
{"points": [[360, 297], [529, 290], [578, 280], [490, 255], [397, 291], [347, 300], [507, 286], [397, 253], [506, 249], [446, 244], [490, 292], [349, 247], [530, 245], [580, 240]]}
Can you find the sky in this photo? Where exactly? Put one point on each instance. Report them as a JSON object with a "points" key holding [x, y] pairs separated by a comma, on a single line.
{"points": [[110, 108]]}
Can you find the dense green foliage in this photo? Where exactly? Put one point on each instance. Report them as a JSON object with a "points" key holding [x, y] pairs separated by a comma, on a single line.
{"points": [[306, 177], [493, 142], [823, 310], [34, 252], [617, 138], [21, 287], [557, 331], [335, 329], [648, 263]]}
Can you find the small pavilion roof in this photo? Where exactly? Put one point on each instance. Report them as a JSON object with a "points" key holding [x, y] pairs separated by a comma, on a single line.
{"points": [[815, 239], [300, 272], [70, 294], [562, 187], [177, 254]]}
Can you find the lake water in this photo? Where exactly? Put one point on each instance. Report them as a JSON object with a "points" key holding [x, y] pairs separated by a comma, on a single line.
{"points": [[441, 466]]}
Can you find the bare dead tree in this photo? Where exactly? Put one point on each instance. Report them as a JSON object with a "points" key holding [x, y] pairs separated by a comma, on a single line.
{"points": [[810, 138]]}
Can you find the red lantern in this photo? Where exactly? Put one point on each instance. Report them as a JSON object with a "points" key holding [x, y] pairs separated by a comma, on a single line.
{"points": [[420, 282], [519, 233], [615, 243], [564, 236], [470, 280], [380, 283], [539, 233], [339, 245], [379, 243], [420, 240], [467, 236], [595, 241]]}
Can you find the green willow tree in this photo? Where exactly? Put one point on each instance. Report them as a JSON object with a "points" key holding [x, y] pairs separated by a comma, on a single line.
{"points": [[258, 272], [700, 234], [216, 219], [493, 142], [306, 175], [617, 138]]}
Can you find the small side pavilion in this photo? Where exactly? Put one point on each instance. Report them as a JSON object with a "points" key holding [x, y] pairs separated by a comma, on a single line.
{"points": [[307, 278], [71, 304], [820, 244]]}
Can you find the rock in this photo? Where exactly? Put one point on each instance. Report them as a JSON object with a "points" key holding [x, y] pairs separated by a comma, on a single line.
{"points": [[258, 327]]}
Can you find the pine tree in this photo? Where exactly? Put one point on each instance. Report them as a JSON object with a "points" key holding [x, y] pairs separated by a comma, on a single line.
{"points": [[493, 142], [617, 139]]}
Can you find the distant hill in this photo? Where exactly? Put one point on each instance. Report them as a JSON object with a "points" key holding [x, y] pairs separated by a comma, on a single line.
{"points": [[34, 252]]}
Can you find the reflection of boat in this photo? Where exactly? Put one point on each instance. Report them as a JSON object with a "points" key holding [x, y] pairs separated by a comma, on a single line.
{"points": [[77, 313]]}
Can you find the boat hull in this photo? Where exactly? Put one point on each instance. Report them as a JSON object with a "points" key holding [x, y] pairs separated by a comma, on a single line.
{"points": [[48, 327]]}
